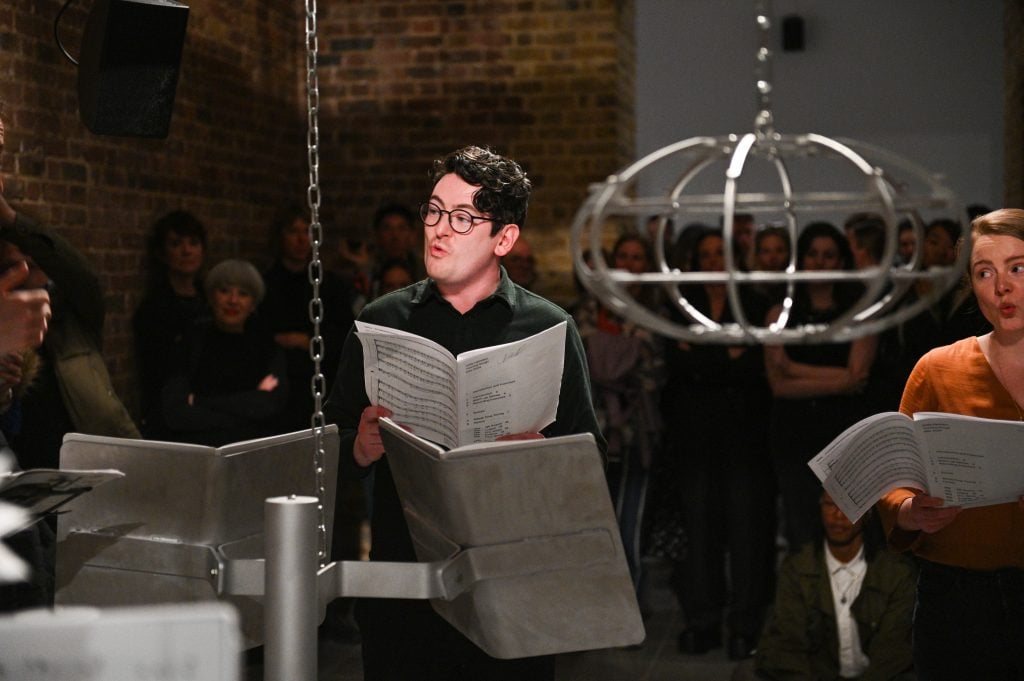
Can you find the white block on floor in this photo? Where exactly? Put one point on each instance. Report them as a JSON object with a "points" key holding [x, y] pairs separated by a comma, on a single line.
{"points": [[162, 643]]}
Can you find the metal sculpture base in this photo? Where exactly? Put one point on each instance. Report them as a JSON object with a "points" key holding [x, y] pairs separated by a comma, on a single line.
{"points": [[184, 524], [520, 551]]}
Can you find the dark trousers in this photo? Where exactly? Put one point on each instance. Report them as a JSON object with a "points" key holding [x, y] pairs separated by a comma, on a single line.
{"points": [[727, 498], [627, 481], [407, 641], [728, 508], [969, 624]]}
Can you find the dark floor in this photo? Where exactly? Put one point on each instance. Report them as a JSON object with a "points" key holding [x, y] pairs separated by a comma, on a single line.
{"points": [[656, 660]]}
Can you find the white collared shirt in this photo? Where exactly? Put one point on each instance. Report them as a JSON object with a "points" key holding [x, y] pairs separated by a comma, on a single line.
{"points": [[845, 580]]}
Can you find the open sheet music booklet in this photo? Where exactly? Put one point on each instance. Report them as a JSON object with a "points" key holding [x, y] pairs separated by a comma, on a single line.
{"points": [[475, 397], [435, 451], [965, 460]]}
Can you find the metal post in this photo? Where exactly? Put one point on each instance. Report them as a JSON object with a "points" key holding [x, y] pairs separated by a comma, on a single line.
{"points": [[290, 590]]}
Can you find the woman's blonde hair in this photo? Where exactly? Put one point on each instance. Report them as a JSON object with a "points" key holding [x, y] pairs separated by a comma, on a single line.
{"points": [[1004, 222], [239, 273]]}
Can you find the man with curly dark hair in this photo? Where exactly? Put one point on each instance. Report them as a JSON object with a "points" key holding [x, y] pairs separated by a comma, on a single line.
{"points": [[476, 209]]}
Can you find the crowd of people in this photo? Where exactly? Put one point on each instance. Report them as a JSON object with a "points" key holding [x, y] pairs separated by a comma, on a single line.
{"points": [[704, 442], [735, 425]]}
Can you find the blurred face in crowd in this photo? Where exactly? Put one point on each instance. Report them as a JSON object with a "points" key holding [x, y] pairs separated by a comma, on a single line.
{"points": [[862, 256], [743, 234], [822, 254], [997, 276], [839, 531], [772, 253], [630, 256], [394, 278], [183, 254], [711, 254], [232, 306], [907, 243], [395, 237], [939, 248], [295, 245]]}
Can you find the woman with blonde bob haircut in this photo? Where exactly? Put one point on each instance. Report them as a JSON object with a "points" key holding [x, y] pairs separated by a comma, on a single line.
{"points": [[969, 616], [234, 384]]}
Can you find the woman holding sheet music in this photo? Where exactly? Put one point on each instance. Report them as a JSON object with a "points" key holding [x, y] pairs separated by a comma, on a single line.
{"points": [[969, 618]]}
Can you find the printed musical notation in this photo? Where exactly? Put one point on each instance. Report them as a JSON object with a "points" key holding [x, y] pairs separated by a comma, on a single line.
{"points": [[965, 460], [475, 397]]}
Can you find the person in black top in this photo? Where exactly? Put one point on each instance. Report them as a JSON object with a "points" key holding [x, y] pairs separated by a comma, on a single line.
{"points": [[284, 312], [72, 390], [69, 389], [953, 316], [173, 302], [817, 389], [234, 386], [724, 475], [473, 217], [394, 238]]}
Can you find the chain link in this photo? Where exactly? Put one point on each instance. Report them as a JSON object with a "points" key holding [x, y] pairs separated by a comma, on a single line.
{"points": [[315, 272], [764, 125]]}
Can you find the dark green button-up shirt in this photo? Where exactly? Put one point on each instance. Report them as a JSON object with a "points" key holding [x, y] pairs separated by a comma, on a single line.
{"points": [[509, 314]]}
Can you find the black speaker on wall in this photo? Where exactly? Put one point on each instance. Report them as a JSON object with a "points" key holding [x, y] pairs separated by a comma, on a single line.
{"points": [[128, 66], [792, 33]]}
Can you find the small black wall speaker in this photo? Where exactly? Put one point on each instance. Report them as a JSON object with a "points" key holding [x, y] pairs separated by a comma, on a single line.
{"points": [[128, 66], [792, 33]]}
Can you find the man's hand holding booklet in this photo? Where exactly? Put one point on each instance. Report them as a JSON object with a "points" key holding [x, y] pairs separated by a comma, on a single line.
{"points": [[478, 396]]}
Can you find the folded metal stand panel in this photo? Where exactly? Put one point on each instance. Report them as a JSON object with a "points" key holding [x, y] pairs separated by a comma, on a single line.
{"points": [[518, 543], [532, 558], [184, 523]]}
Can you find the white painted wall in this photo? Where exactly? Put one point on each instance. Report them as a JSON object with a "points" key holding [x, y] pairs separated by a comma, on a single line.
{"points": [[921, 78]]}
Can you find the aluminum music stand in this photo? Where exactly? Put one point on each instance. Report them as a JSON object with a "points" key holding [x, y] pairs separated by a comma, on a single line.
{"points": [[519, 545], [534, 559], [186, 522]]}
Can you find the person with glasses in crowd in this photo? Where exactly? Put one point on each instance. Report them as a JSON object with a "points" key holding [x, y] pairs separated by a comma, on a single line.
{"points": [[474, 215]]}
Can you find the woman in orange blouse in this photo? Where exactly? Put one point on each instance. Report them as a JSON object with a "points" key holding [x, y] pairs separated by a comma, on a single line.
{"points": [[969, 618]]}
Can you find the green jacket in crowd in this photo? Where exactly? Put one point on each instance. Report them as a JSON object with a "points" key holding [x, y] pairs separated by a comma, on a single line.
{"points": [[800, 641], [73, 349]]}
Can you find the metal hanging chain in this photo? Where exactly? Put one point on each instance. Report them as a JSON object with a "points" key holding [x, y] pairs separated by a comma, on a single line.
{"points": [[764, 124], [315, 271]]}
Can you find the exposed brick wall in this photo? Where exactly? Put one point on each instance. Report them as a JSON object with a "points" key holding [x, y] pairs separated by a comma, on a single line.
{"points": [[549, 82], [236, 147], [1014, 99]]}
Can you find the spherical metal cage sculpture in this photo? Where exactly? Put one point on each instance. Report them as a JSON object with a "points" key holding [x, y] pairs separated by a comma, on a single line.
{"points": [[883, 183], [901, 190]]}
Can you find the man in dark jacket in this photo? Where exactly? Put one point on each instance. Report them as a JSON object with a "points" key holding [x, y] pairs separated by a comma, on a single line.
{"points": [[842, 609], [476, 208]]}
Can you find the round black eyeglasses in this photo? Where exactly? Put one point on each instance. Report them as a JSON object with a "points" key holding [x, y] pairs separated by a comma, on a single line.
{"points": [[461, 221]]}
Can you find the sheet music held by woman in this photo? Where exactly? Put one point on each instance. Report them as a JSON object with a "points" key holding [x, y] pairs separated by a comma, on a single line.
{"points": [[965, 460], [475, 397]]}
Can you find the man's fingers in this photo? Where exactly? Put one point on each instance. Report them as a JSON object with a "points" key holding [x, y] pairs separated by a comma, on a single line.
{"points": [[382, 411], [35, 313], [14, 276]]}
